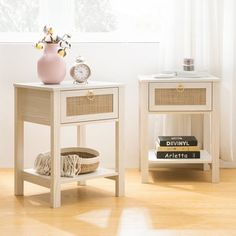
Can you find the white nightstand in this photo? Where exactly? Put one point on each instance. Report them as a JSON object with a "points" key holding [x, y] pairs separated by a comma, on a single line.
{"points": [[183, 96], [67, 104]]}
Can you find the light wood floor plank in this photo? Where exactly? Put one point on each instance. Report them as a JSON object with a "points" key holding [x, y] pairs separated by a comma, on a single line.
{"points": [[176, 202]]}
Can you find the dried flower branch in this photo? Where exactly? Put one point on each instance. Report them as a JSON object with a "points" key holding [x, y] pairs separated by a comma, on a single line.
{"points": [[51, 37]]}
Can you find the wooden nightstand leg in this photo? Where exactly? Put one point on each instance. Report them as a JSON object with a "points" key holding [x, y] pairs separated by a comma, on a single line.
{"points": [[144, 151], [206, 137], [55, 188], [81, 142], [19, 146], [143, 132], [215, 135], [144, 165], [120, 181], [19, 157], [119, 148], [215, 151]]}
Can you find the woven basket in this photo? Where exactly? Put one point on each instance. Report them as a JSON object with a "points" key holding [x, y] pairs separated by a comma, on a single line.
{"points": [[74, 161]]}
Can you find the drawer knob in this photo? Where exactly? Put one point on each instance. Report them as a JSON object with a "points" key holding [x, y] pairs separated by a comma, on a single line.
{"points": [[180, 88], [90, 95]]}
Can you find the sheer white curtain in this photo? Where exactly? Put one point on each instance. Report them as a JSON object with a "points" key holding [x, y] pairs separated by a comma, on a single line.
{"points": [[228, 83], [206, 31]]}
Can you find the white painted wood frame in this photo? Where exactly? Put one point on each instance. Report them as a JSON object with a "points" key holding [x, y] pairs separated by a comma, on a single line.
{"points": [[42, 104], [210, 155]]}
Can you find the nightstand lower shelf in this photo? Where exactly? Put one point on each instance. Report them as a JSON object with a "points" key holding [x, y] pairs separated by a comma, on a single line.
{"points": [[205, 157], [30, 175]]}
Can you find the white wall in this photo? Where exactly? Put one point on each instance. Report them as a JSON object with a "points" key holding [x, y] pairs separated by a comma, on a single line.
{"points": [[120, 62]]}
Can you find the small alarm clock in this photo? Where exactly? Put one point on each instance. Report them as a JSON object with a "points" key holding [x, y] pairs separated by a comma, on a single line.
{"points": [[80, 72]]}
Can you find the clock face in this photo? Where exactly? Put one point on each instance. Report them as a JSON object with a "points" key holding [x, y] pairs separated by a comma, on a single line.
{"points": [[81, 72]]}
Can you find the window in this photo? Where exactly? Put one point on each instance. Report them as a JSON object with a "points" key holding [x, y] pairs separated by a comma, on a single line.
{"points": [[119, 20], [86, 20], [19, 16], [117, 15], [94, 16]]}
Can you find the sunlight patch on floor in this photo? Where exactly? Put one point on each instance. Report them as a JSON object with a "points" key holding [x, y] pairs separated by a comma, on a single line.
{"points": [[99, 218], [134, 220]]}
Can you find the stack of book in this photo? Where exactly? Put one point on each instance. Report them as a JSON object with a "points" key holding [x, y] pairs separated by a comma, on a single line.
{"points": [[177, 147]]}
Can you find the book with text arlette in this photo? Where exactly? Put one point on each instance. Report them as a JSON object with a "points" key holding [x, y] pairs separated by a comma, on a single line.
{"points": [[178, 155], [177, 147], [177, 141]]}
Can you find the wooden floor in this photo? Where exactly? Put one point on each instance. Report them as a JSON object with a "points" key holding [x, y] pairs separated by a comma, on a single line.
{"points": [[176, 202]]}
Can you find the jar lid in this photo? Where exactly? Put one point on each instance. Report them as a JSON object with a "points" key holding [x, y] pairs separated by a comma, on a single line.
{"points": [[188, 61]]}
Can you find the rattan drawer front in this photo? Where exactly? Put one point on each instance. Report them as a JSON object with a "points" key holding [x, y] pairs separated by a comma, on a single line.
{"points": [[76, 106], [95, 104], [189, 96], [179, 96]]}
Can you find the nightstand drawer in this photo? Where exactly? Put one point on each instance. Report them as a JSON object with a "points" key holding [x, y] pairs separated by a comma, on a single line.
{"points": [[180, 96], [87, 105]]}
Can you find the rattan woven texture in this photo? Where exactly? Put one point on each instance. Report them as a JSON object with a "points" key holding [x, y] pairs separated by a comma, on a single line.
{"points": [[189, 96], [84, 168], [76, 106]]}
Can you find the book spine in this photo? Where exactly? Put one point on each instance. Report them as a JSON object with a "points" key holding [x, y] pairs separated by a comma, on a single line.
{"points": [[177, 149], [178, 143], [177, 155]]}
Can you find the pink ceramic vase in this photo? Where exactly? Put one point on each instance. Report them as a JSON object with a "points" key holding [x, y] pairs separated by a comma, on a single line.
{"points": [[51, 67]]}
